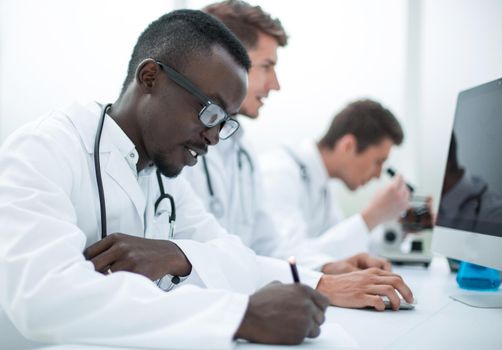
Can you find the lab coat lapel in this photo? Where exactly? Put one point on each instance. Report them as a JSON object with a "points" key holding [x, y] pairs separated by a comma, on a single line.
{"points": [[85, 120], [118, 169]]}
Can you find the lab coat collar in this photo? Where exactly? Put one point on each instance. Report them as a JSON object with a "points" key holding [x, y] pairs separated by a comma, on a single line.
{"points": [[113, 141], [310, 155], [85, 120]]}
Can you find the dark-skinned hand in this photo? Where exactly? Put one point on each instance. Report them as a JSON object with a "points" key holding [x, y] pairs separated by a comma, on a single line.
{"points": [[152, 258], [283, 314]]}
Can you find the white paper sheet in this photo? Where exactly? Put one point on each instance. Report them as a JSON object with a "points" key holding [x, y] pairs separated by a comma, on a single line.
{"points": [[333, 336]]}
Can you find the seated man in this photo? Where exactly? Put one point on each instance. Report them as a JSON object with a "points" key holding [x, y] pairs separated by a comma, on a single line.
{"points": [[71, 177], [228, 181], [353, 150]]}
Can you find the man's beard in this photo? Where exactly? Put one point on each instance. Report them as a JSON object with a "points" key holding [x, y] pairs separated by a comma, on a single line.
{"points": [[167, 169]]}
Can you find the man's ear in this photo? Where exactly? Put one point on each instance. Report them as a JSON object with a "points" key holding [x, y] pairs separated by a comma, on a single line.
{"points": [[348, 143], [147, 74]]}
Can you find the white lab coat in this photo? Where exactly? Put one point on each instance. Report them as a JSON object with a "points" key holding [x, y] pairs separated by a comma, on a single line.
{"points": [[236, 180], [306, 207], [49, 213]]}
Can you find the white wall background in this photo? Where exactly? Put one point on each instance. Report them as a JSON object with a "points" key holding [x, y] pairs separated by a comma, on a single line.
{"points": [[461, 48], [413, 56]]}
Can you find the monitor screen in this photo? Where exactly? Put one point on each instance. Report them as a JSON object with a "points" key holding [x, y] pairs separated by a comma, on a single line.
{"points": [[472, 185], [471, 196]]}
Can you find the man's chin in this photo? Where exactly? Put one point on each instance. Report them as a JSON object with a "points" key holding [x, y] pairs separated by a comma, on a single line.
{"points": [[253, 114], [169, 170]]}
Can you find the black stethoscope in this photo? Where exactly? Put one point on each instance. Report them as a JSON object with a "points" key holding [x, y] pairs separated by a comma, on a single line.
{"points": [[215, 204], [304, 173], [99, 180], [306, 179]]}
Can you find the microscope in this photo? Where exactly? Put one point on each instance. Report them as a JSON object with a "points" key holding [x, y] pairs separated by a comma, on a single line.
{"points": [[408, 239]]}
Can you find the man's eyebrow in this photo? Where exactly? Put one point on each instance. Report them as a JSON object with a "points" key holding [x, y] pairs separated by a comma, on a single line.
{"points": [[216, 98], [269, 62]]}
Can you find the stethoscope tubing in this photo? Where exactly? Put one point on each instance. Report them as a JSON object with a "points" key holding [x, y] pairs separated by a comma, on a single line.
{"points": [[99, 182], [97, 167], [215, 204]]}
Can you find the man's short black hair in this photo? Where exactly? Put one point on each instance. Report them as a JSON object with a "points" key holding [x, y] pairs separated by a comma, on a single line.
{"points": [[368, 121], [177, 36]]}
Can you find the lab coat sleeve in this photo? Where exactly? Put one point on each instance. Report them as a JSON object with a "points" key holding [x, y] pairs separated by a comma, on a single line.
{"points": [[220, 259], [269, 242], [279, 270], [52, 294], [350, 236], [284, 191], [223, 261]]}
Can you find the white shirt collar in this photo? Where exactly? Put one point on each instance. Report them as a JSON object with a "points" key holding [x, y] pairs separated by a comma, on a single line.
{"points": [[310, 155], [123, 143]]}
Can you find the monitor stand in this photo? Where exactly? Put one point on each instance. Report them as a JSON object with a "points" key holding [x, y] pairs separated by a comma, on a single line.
{"points": [[480, 300]]}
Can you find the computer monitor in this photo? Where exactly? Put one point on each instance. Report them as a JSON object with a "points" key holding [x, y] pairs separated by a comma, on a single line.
{"points": [[469, 222]]}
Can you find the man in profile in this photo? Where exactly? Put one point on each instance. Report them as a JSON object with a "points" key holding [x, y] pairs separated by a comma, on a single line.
{"points": [[353, 151], [228, 179], [62, 283]]}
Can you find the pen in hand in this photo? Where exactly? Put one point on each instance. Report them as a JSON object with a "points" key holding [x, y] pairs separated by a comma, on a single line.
{"points": [[294, 270]]}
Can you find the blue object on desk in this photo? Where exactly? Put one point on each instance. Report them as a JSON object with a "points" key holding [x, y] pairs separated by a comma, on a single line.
{"points": [[477, 277]]}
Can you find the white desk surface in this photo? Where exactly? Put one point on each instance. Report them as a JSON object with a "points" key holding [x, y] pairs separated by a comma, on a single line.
{"points": [[437, 322]]}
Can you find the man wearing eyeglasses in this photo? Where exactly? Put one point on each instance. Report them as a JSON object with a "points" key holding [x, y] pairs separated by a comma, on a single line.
{"points": [[228, 179], [62, 283]]}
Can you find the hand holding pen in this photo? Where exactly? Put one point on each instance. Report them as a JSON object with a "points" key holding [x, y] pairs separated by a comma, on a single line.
{"points": [[283, 313]]}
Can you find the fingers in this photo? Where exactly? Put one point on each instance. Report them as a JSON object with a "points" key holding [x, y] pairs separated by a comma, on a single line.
{"points": [[380, 264], [319, 299], [376, 302], [389, 292], [320, 304], [397, 283], [318, 319], [273, 283], [105, 260], [314, 332], [366, 261], [98, 247], [394, 282], [120, 265], [398, 181], [387, 266], [401, 191], [350, 268]]}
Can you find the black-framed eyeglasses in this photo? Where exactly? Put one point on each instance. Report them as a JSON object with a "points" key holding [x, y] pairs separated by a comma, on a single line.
{"points": [[211, 113]]}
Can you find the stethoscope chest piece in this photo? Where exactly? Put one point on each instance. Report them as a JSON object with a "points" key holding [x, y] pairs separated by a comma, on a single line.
{"points": [[216, 207]]}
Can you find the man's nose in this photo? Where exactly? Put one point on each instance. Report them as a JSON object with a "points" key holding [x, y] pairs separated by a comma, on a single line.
{"points": [[212, 135], [378, 172], [274, 82]]}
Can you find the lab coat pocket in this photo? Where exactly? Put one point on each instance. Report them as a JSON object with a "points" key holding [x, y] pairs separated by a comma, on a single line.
{"points": [[160, 227]]}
